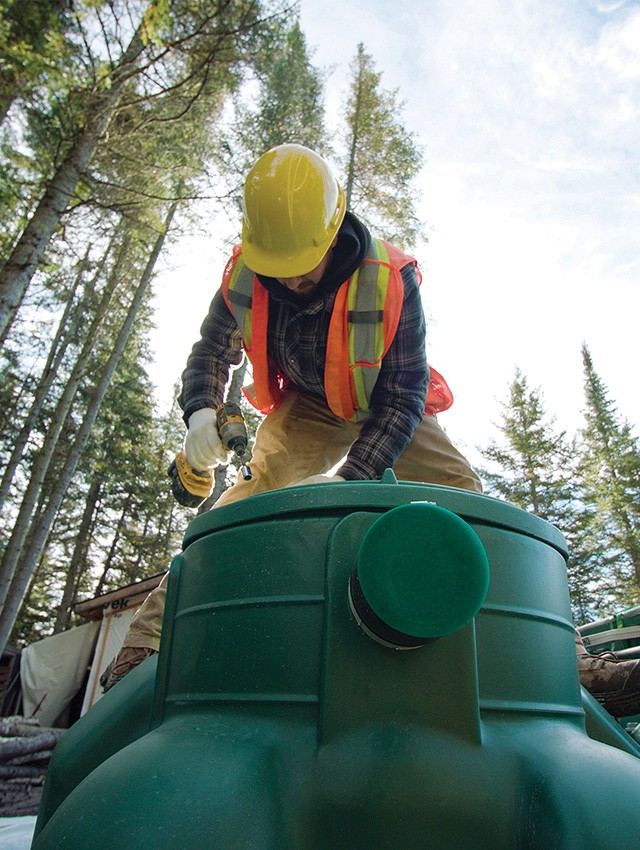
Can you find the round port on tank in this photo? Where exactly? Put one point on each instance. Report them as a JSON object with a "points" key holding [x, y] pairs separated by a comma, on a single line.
{"points": [[421, 573]]}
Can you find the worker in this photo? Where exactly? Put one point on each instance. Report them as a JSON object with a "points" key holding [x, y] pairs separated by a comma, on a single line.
{"points": [[303, 260], [331, 319]]}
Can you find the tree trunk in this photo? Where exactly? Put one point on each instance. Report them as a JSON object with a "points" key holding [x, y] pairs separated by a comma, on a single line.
{"points": [[44, 457], [79, 555], [135, 571], [351, 171], [17, 726], [21, 265], [219, 486], [5, 105], [57, 351], [114, 545], [39, 534]]}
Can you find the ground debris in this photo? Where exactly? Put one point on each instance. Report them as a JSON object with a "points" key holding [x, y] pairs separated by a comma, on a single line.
{"points": [[25, 750]]}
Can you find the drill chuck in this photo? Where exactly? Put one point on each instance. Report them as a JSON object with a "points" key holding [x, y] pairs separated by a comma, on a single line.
{"points": [[233, 433]]}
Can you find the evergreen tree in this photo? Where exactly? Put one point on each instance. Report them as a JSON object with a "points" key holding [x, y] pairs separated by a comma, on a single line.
{"points": [[535, 470], [34, 43], [129, 528], [382, 157], [611, 472], [31, 407], [176, 55], [119, 522], [289, 107], [535, 462], [18, 561], [281, 101], [27, 253]]}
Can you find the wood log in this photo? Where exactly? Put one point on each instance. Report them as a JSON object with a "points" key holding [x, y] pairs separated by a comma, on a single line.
{"points": [[17, 726], [21, 771], [33, 758], [11, 747]]}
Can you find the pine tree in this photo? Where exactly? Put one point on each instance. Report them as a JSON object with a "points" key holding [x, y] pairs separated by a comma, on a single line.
{"points": [[289, 107], [27, 253], [18, 562], [177, 55], [611, 472], [280, 102], [34, 42], [535, 462], [382, 158], [535, 470]]}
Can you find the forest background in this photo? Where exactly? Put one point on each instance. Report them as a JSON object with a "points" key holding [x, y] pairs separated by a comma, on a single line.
{"points": [[126, 130]]}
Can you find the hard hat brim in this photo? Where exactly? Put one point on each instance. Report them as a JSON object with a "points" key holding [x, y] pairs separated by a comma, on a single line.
{"points": [[275, 264]]}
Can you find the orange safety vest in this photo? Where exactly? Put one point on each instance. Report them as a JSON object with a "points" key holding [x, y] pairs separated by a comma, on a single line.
{"points": [[363, 324]]}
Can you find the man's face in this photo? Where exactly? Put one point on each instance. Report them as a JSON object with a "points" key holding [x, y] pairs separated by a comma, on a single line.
{"points": [[305, 284]]}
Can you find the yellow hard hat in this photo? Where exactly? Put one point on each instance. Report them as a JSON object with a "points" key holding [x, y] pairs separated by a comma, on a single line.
{"points": [[293, 208]]}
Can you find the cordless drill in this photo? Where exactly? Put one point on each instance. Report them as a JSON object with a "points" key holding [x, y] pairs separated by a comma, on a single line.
{"points": [[192, 486]]}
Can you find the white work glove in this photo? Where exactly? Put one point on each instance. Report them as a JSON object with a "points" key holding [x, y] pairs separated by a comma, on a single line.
{"points": [[203, 444], [318, 479]]}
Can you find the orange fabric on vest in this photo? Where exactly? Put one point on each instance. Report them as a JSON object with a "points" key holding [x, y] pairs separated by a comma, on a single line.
{"points": [[439, 396], [268, 385]]}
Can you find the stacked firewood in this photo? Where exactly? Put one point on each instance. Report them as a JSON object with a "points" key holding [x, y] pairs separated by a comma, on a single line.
{"points": [[25, 750]]}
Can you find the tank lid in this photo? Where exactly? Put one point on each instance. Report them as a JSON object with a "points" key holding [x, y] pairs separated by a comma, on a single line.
{"points": [[373, 496]]}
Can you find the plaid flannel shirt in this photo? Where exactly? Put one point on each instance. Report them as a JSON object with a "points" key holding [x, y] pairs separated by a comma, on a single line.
{"points": [[297, 336]]}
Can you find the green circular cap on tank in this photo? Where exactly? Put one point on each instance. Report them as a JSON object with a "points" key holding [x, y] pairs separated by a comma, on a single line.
{"points": [[423, 570]]}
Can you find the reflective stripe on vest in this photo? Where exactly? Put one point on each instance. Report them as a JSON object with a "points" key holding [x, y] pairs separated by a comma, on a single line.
{"points": [[363, 324], [237, 288]]}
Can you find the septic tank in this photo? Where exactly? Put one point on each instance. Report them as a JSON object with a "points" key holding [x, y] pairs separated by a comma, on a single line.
{"points": [[354, 666]]}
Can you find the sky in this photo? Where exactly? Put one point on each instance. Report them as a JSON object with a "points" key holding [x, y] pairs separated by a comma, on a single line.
{"points": [[529, 116]]}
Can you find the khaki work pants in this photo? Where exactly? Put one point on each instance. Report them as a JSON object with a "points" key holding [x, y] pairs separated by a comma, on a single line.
{"points": [[302, 438]]}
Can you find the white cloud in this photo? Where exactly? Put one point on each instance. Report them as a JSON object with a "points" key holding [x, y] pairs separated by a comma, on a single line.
{"points": [[619, 46]]}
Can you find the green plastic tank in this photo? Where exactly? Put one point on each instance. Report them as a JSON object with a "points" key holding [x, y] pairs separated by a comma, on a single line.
{"points": [[355, 666]]}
